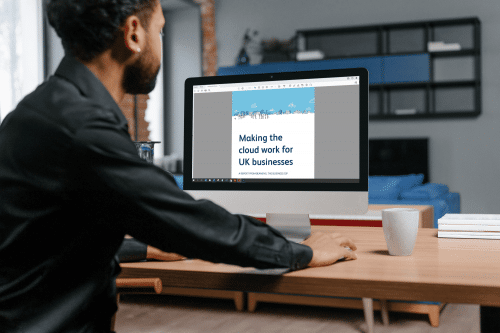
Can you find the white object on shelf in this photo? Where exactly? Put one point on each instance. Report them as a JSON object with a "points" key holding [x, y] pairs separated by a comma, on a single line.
{"points": [[310, 55], [442, 46], [400, 112]]}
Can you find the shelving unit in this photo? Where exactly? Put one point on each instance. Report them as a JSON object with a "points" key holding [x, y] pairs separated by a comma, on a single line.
{"points": [[407, 79], [449, 85]]}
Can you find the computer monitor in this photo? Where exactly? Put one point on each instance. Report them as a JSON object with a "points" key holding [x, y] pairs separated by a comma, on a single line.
{"points": [[280, 143]]}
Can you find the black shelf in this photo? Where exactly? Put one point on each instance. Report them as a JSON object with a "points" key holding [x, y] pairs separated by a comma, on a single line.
{"points": [[410, 85], [453, 89], [441, 115], [400, 25], [460, 53]]}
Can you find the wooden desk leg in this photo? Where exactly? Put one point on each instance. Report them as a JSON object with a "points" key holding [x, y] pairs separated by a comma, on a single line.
{"points": [[239, 300], [385, 312], [368, 310], [252, 302], [434, 316]]}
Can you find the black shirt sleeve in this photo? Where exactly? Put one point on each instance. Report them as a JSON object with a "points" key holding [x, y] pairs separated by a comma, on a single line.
{"points": [[136, 198]]}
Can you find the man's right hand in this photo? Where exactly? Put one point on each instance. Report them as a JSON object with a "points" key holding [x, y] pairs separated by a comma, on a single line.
{"points": [[329, 247]]}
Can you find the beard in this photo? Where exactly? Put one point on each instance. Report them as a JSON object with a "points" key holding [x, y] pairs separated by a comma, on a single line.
{"points": [[140, 77]]}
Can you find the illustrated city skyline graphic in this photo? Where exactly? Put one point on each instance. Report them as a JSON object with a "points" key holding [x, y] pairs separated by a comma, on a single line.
{"points": [[273, 101]]}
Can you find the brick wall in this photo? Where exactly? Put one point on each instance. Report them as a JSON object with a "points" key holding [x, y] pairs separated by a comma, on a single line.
{"points": [[209, 38]]}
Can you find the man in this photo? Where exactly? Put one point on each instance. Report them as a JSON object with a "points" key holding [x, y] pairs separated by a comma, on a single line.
{"points": [[72, 185]]}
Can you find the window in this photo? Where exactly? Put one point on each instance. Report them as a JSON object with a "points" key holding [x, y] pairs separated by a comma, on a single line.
{"points": [[21, 51]]}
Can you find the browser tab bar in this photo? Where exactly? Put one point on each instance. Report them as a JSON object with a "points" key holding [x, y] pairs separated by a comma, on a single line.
{"points": [[268, 85]]}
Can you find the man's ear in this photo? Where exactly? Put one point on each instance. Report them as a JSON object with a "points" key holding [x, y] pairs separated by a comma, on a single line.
{"points": [[134, 34]]}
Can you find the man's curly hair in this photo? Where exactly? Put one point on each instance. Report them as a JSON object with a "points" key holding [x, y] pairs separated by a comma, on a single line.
{"points": [[89, 27]]}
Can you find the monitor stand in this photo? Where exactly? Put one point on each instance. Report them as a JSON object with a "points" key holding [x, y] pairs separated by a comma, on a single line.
{"points": [[295, 227]]}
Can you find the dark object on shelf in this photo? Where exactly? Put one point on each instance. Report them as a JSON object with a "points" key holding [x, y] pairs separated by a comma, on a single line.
{"points": [[442, 61], [275, 50], [243, 58], [395, 157]]}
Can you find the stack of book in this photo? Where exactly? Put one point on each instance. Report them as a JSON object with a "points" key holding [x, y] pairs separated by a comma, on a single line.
{"points": [[485, 226]]}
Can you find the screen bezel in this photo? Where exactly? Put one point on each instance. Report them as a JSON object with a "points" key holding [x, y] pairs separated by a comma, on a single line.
{"points": [[300, 185]]}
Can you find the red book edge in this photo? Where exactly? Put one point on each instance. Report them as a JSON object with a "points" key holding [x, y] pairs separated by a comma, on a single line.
{"points": [[341, 223]]}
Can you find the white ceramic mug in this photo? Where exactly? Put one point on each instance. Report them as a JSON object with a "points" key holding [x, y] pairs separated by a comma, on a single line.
{"points": [[400, 230]]}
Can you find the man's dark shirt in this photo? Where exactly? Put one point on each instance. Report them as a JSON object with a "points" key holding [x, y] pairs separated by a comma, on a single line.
{"points": [[72, 186]]}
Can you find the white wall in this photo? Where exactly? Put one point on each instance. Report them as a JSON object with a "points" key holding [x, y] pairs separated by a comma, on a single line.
{"points": [[464, 153], [183, 60]]}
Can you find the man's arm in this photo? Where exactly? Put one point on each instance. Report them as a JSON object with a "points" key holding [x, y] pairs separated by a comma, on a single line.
{"points": [[144, 201]]}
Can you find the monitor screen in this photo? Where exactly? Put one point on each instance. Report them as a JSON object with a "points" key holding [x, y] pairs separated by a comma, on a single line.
{"points": [[294, 142]]}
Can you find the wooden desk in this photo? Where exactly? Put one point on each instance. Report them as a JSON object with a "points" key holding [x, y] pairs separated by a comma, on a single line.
{"points": [[440, 270]]}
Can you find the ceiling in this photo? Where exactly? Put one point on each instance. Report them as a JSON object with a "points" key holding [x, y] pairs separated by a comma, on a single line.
{"points": [[176, 4]]}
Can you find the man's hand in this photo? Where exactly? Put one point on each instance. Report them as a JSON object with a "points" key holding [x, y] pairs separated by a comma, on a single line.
{"points": [[154, 253], [328, 248]]}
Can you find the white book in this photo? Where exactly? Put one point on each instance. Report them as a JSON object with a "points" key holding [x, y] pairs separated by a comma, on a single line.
{"points": [[481, 235], [471, 217], [468, 227], [469, 222]]}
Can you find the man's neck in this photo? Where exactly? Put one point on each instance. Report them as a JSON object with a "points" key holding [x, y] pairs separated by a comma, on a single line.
{"points": [[110, 73]]}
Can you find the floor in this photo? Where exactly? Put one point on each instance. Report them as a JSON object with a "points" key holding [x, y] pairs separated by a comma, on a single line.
{"points": [[179, 314]]}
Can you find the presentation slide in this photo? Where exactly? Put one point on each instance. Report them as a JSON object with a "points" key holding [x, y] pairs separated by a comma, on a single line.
{"points": [[273, 133]]}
